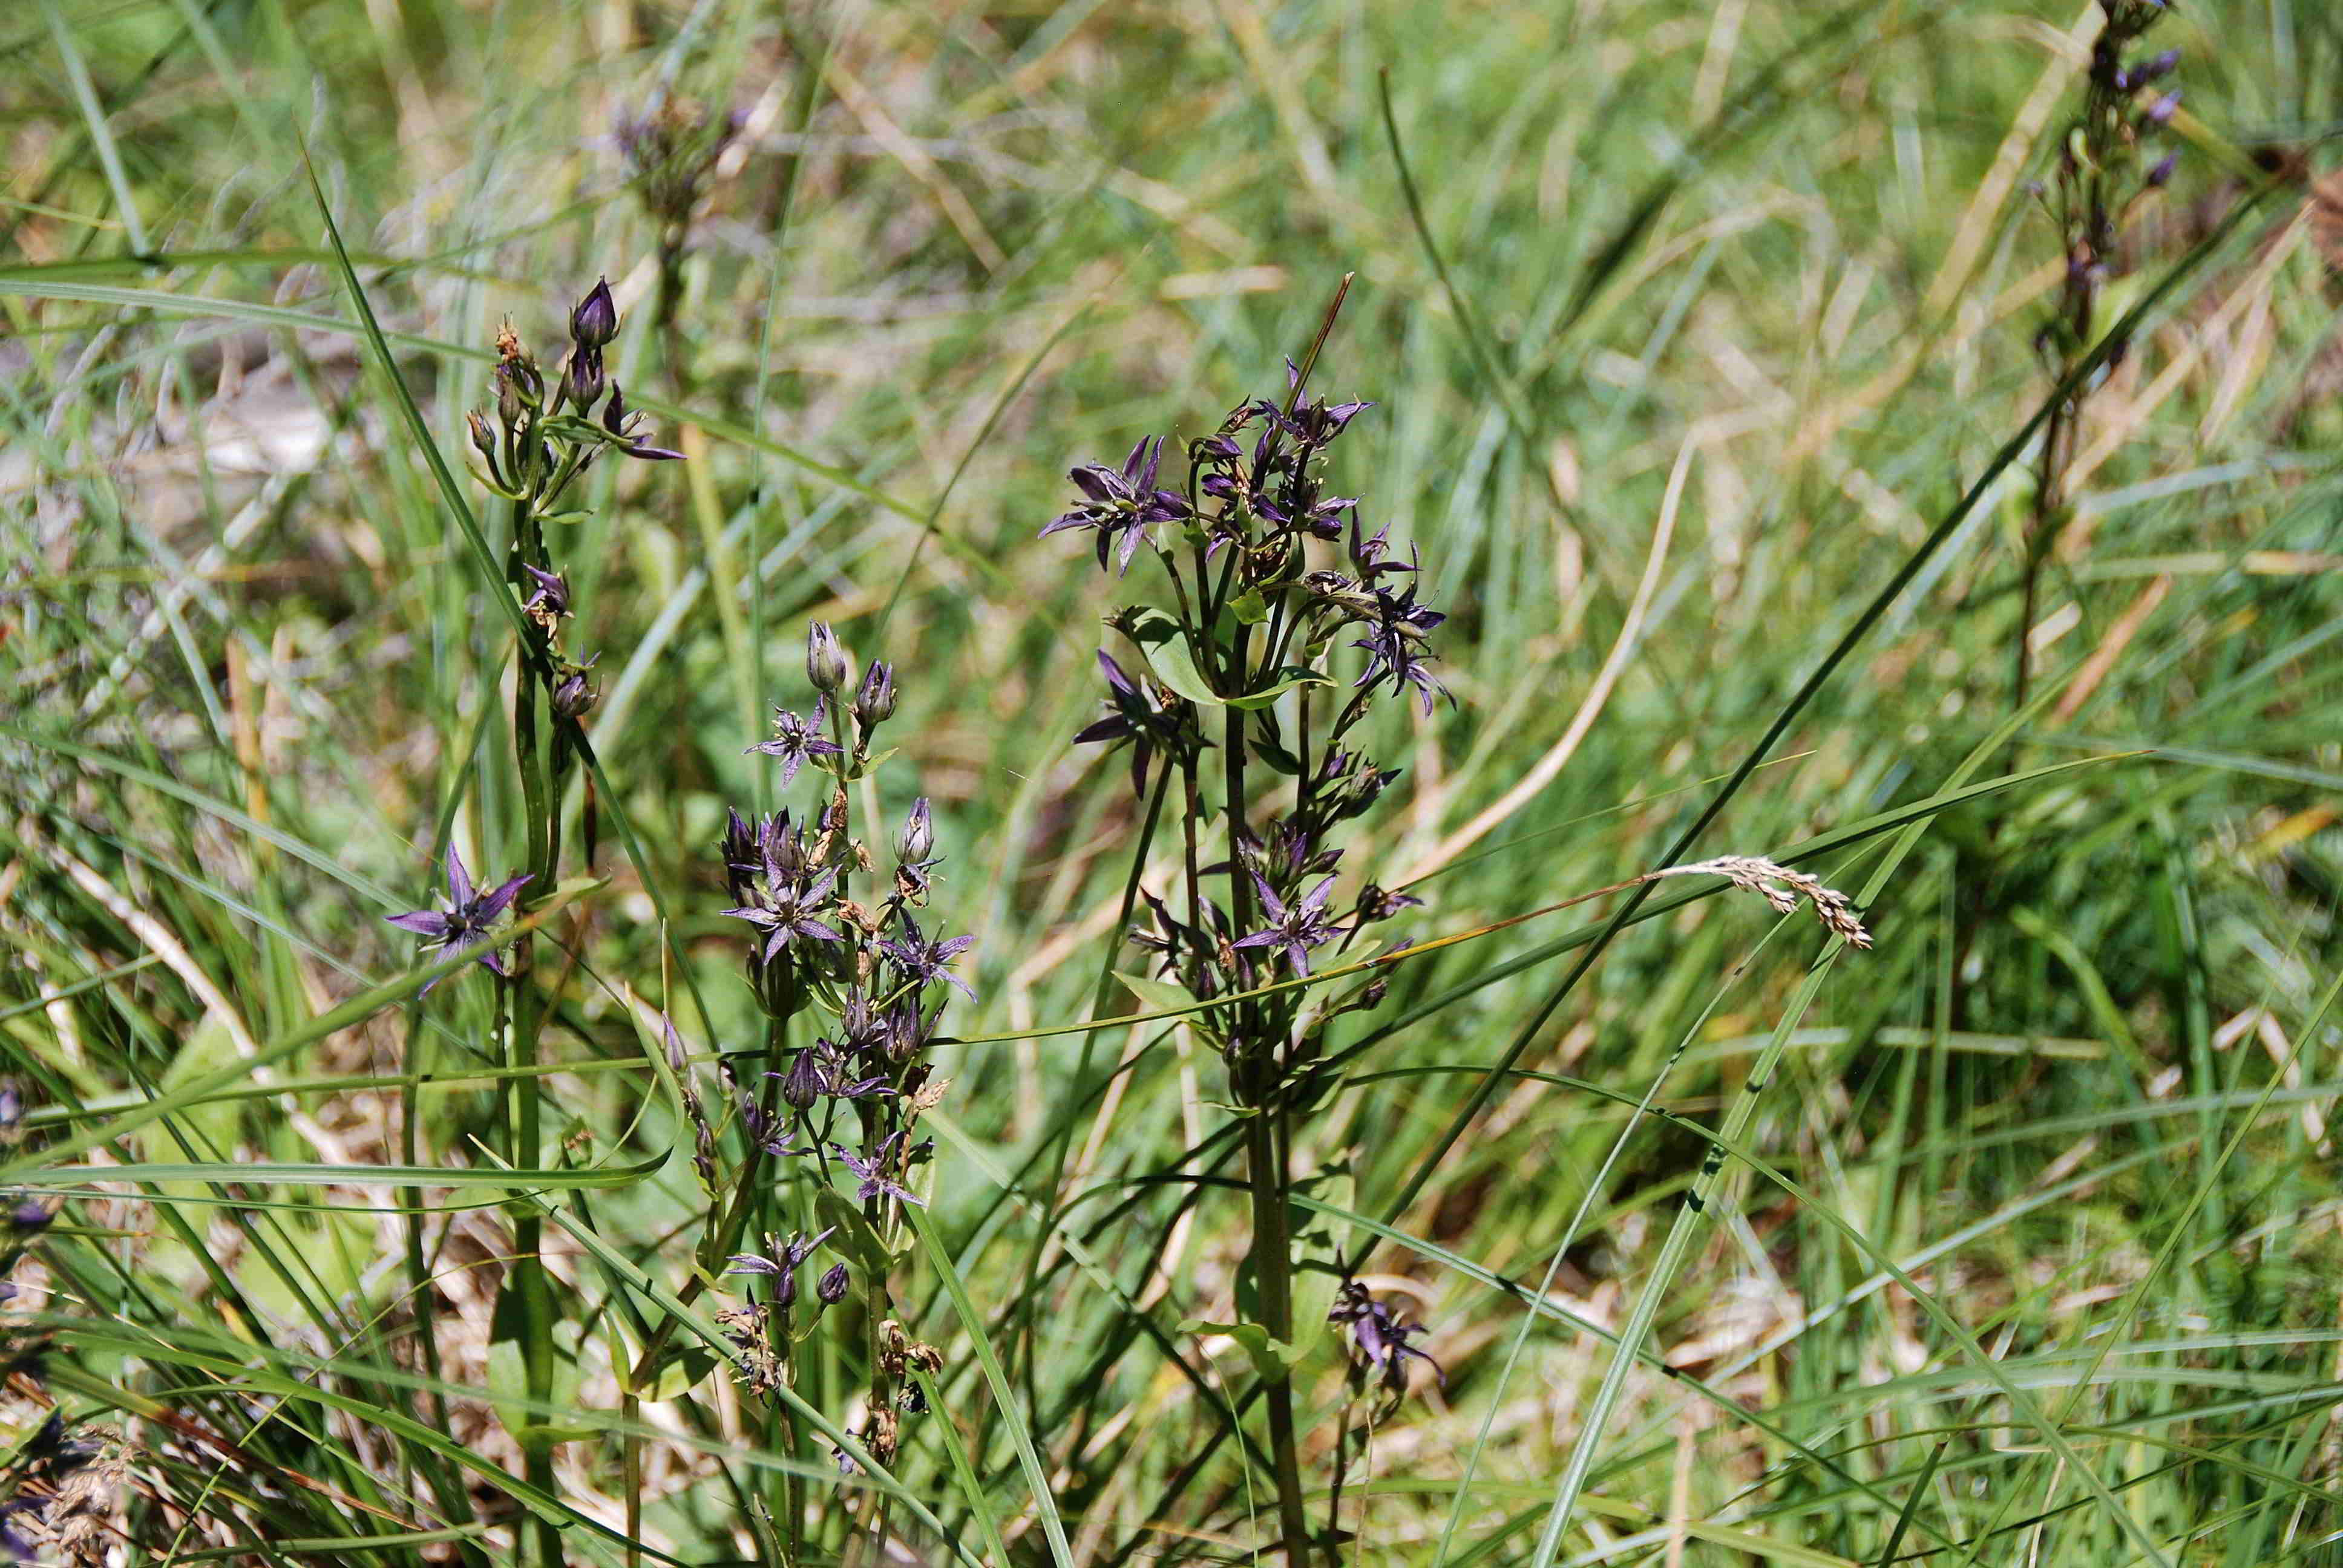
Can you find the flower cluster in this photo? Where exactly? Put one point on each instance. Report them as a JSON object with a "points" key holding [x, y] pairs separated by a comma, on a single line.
{"points": [[541, 439], [2103, 169], [853, 967], [670, 150], [1295, 621], [1255, 509], [537, 443]]}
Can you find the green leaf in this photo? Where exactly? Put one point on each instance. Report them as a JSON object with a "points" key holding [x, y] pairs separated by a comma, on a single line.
{"points": [[1320, 1241], [855, 1238], [1287, 679], [505, 1178], [1155, 995], [1004, 1394], [1171, 659], [1276, 756], [1163, 645], [680, 1369], [1162, 996], [1250, 607], [1272, 1357], [857, 770], [507, 1380]]}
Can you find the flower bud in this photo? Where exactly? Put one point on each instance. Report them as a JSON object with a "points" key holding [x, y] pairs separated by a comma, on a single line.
{"points": [[2161, 175], [483, 439], [595, 321], [574, 698], [805, 1081], [582, 381], [832, 1286], [874, 702], [918, 836], [825, 660], [785, 1289], [2160, 111]]}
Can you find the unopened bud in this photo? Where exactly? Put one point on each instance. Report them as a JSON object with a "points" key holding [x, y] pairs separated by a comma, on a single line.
{"points": [[583, 380], [832, 1286], [595, 321], [825, 660], [2161, 175], [805, 1081], [483, 439], [2161, 113], [918, 836], [874, 702], [574, 697]]}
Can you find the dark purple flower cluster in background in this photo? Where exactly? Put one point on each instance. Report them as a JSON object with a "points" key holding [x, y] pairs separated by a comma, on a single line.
{"points": [[2102, 178], [2103, 169]]}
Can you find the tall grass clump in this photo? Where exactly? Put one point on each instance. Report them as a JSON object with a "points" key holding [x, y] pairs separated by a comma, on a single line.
{"points": [[730, 839]]}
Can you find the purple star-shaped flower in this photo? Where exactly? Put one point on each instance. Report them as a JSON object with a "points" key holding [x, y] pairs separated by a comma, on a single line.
{"points": [[922, 961], [552, 595], [470, 920], [1381, 1335], [1133, 716], [1394, 645], [786, 913], [1297, 927], [871, 1172], [794, 740], [1121, 504], [780, 1265]]}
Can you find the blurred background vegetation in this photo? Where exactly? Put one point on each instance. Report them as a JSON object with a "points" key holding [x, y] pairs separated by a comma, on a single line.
{"points": [[1755, 281]]}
